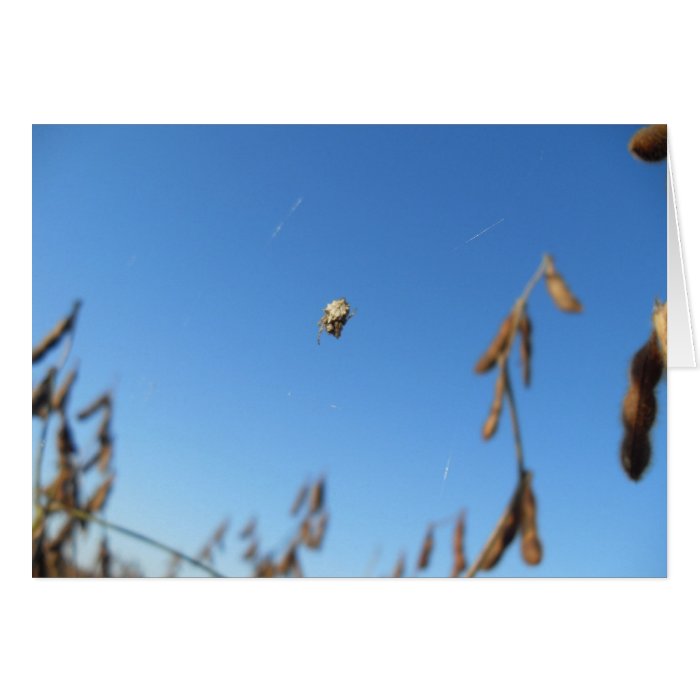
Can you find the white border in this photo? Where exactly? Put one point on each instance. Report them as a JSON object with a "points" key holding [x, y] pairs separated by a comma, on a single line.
{"points": [[323, 62]]}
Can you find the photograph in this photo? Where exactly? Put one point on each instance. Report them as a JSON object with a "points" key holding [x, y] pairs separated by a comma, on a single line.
{"points": [[349, 351]]}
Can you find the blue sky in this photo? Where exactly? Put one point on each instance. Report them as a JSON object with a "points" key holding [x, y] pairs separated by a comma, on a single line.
{"points": [[205, 255]]}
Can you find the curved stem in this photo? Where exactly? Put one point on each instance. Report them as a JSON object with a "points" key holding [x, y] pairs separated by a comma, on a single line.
{"points": [[89, 517]]}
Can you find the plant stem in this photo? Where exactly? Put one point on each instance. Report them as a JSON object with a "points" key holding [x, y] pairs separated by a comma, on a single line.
{"points": [[514, 422], [89, 517]]}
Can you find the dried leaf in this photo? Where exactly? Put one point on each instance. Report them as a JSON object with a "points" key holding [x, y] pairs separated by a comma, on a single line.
{"points": [[650, 143]]}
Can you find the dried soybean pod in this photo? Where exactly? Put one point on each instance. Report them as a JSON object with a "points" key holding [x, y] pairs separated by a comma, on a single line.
{"points": [[500, 544], [316, 497], [248, 529], [64, 440], [460, 562], [251, 551], [399, 567], [56, 333], [639, 408], [559, 290], [97, 500], [102, 401], [525, 330], [319, 533], [498, 345], [650, 143], [104, 559], [530, 545], [426, 549], [41, 394], [289, 564], [59, 399], [660, 320], [491, 424]]}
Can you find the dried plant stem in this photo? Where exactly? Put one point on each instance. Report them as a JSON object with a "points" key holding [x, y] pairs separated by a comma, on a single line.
{"points": [[533, 280], [500, 526], [510, 398], [84, 515]]}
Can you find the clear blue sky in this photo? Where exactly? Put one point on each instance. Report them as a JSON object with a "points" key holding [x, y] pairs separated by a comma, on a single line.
{"points": [[200, 312]]}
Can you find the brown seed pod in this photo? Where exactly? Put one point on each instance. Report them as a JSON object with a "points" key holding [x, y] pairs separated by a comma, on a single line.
{"points": [[265, 568], [104, 457], [251, 551], [530, 545], [491, 424], [97, 500], [41, 395], [104, 559], [525, 330], [505, 536], [498, 346], [335, 316], [639, 408], [313, 537], [217, 537], [459, 562], [102, 401], [63, 488], [317, 496], [559, 290], [650, 143], [58, 402], [289, 563], [299, 499], [64, 440], [55, 334], [399, 567], [248, 529], [660, 321], [426, 550]]}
